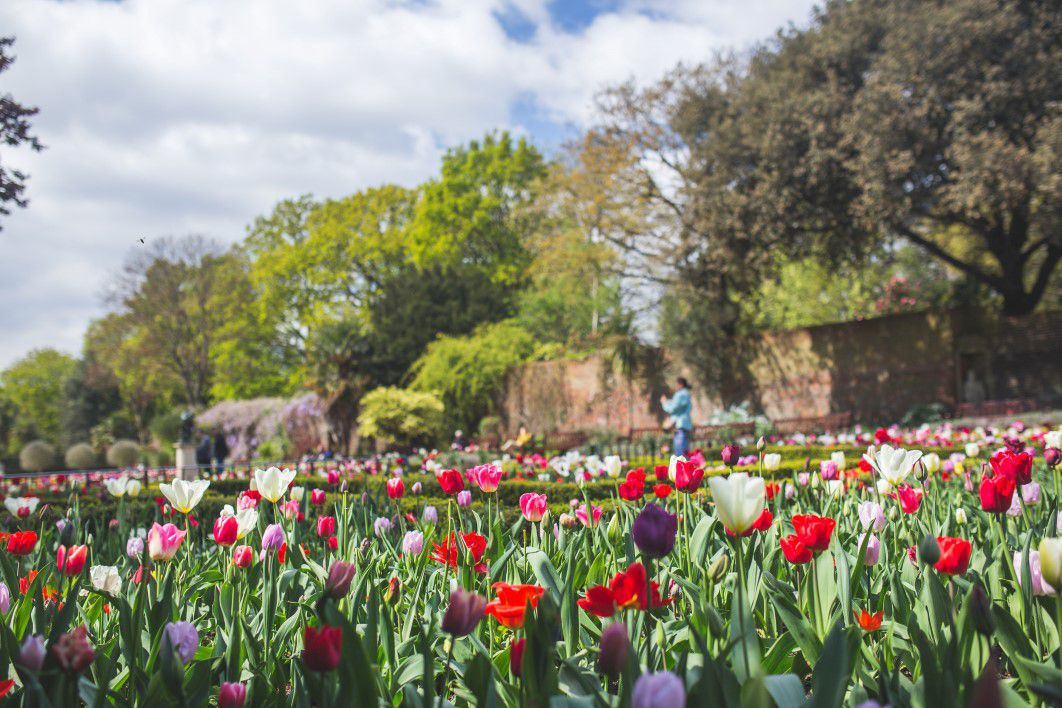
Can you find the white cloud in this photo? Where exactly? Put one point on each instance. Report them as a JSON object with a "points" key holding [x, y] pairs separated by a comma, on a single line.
{"points": [[177, 116]]}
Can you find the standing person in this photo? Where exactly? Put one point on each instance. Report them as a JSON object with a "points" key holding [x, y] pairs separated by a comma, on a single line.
{"points": [[678, 407], [221, 451]]}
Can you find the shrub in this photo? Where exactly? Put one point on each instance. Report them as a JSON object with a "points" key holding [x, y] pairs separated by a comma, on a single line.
{"points": [[123, 453], [401, 417], [166, 427], [274, 449], [80, 456], [37, 456]]}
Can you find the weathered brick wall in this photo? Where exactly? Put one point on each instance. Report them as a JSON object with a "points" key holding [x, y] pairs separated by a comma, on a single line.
{"points": [[878, 369]]}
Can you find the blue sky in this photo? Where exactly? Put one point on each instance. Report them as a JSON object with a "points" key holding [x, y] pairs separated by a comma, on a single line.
{"points": [[194, 116]]}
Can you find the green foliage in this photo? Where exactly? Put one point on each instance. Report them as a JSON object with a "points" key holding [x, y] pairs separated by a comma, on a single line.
{"points": [[401, 417], [34, 386], [123, 453], [36, 456], [467, 373], [166, 426], [80, 456], [274, 449]]}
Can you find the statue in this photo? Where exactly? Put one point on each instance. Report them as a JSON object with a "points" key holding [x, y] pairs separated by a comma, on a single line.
{"points": [[187, 427]]}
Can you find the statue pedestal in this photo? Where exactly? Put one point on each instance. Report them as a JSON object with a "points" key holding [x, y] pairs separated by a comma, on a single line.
{"points": [[186, 465]]}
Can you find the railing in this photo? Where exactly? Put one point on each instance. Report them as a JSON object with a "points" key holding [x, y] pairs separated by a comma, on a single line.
{"points": [[816, 424], [987, 409]]}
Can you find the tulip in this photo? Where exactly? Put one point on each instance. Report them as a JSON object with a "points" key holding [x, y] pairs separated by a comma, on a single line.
{"points": [[954, 555], [326, 526], [612, 465], [739, 500], [232, 695], [163, 541], [71, 561], [931, 461], [873, 551], [772, 461], [511, 603], [381, 526], [430, 515], [1031, 493], [1039, 585], [105, 578], [837, 458], [1052, 455], [615, 647], [996, 494], [273, 483], [317, 498], [133, 487], [688, 477], [5, 598], [184, 639], [487, 477], [803, 478], [396, 487], [730, 454], [516, 657], [413, 543], [533, 506], [910, 498], [795, 551], [790, 490], [960, 517], [893, 465], [116, 486], [225, 530], [450, 481], [871, 516], [21, 507], [464, 498], [273, 537], [321, 647], [828, 470], [658, 690], [869, 622], [339, 576], [333, 477], [814, 531], [242, 556], [184, 495], [463, 613], [73, 651], [1014, 466], [654, 531], [568, 521], [972, 450], [134, 547], [583, 517], [1050, 551], [32, 653]]}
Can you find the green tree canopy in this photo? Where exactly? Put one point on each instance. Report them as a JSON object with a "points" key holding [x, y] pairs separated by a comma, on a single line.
{"points": [[34, 386]]}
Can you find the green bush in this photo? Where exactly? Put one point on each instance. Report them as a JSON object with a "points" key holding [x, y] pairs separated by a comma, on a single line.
{"points": [[275, 448], [401, 417], [123, 453], [80, 456], [37, 456], [166, 426]]}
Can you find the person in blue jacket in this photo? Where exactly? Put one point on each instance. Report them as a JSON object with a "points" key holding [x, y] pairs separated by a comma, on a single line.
{"points": [[678, 407]]}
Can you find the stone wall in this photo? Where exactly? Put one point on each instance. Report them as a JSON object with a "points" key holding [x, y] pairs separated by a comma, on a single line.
{"points": [[877, 369]]}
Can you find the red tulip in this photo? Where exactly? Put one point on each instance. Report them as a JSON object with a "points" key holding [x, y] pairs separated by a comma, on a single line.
{"points": [[631, 490], [511, 603], [450, 481], [326, 526], [232, 695], [795, 551], [71, 560], [226, 530], [1015, 466], [322, 647], [814, 531], [396, 488], [627, 590], [333, 543], [447, 551], [242, 556], [954, 555], [909, 497], [516, 656], [688, 476], [317, 497], [869, 622], [21, 543], [662, 491], [996, 494], [661, 472]]}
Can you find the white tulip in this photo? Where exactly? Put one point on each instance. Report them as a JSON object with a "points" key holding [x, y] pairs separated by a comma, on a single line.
{"points": [[105, 578], [273, 483], [893, 465], [17, 504], [613, 465], [184, 495], [834, 487], [117, 486], [246, 521], [1051, 561], [1053, 438], [297, 493], [838, 459], [931, 461], [772, 461], [739, 500], [133, 487], [960, 516], [972, 450]]}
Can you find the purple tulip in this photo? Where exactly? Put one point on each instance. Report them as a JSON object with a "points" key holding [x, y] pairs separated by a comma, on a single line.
{"points": [[413, 543], [654, 531], [1052, 455], [431, 515], [339, 577], [1039, 585], [134, 547], [615, 646], [32, 653], [463, 613], [184, 638], [381, 526], [730, 454], [464, 498], [661, 689], [273, 537], [873, 551], [5, 598]]}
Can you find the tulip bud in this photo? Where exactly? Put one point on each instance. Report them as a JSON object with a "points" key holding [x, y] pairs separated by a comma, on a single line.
{"points": [[568, 521], [615, 646], [1052, 455], [339, 576], [394, 588], [761, 443], [615, 531], [32, 653], [68, 533], [929, 550], [516, 657], [463, 613], [718, 569], [960, 516], [981, 611]]}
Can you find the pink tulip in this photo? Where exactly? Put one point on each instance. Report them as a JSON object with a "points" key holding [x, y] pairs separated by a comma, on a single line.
{"points": [[828, 470], [232, 695], [1039, 585], [533, 506], [803, 478], [317, 497], [486, 477], [163, 541], [581, 514]]}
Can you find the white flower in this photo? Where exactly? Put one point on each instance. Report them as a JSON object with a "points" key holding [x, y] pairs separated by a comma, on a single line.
{"points": [[184, 495], [117, 486], [893, 465], [672, 465], [972, 450], [771, 461], [133, 487], [105, 578], [931, 461], [613, 465], [1051, 561], [872, 516], [838, 459], [246, 521], [738, 499], [273, 483], [1053, 438], [21, 506], [834, 487], [297, 493], [960, 516]]}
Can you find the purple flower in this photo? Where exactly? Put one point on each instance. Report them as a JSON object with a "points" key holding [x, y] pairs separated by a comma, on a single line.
{"points": [[381, 526], [661, 689], [184, 639], [654, 531], [873, 551], [730, 454], [464, 498], [272, 537], [431, 515], [134, 547], [5, 598], [463, 613], [417, 486], [615, 646], [828, 470], [32, 653], [413, 543], [1039, 585]]}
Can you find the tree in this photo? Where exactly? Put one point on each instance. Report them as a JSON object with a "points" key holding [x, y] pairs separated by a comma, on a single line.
{"points": [[14, 131], [914, 120], [34, 386], [90, 394]]}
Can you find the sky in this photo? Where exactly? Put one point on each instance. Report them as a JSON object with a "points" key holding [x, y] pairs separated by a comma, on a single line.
{"points": [[169, 117]]}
